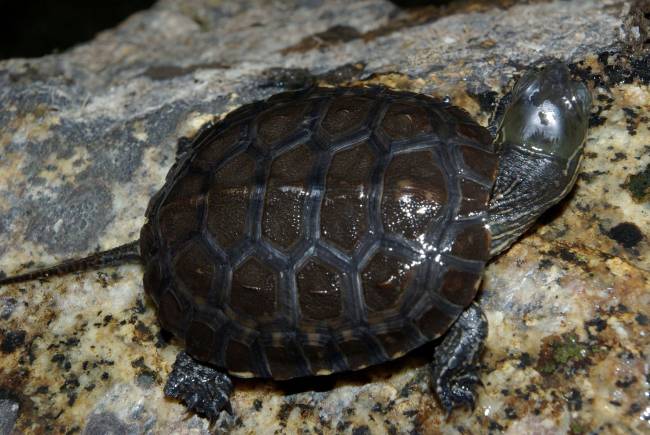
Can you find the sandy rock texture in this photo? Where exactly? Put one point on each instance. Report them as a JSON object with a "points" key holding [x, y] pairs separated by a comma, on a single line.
{"points": [[87, 136]]}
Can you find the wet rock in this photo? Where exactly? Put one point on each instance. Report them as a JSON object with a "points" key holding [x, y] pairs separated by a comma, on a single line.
{"points": [[9, 411], [87, 136]]}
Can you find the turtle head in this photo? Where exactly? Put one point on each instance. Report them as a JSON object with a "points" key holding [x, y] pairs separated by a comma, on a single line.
{"points": [[549, 114], [540, 143]]}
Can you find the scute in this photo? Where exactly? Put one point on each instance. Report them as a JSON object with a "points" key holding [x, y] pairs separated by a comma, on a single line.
{"points": [[178, 221], [358, 353], [285, 361], [238, 357], [346, 116], [406, 121], [253, 292], [171, 312], [279, 123], [474, 196], [414, 194], [321, 231], [215, 149], [396, 342], [195, 269], [286, 192], [187, 188], [319, 291], [385, 279], [459, 287], [200, 339], [480, 161], [152, 280], [344, 209], [435, 320], [472, 242], [229, 200]]}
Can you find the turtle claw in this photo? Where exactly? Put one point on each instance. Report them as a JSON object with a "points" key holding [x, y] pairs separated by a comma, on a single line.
{"points": [[203, 389], [457, 391], [228, 407]]}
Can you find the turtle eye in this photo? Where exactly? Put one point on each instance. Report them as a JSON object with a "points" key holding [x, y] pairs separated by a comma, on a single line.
{"points": [[522, 85], [582, 97]]}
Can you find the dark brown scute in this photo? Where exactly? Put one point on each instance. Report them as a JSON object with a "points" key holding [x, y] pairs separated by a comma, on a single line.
{"points": [[286, 191], [414, 194], [319, 291], [322, 220], [196, 271], [187, 189], [200, 340], [279, 123], [345, 115], [405, 121], [229, 200], [356, 352], [285, 362], [254, 289], [344, 208], [171, 312], [435, 321], [178, 222], [459, 287], [459, 115], [152, 280], [147, 241], [216, 149], [385, 279], [471, 131], [238, 357], [474, 197], [317, 356], [481, 161], [396, 341], [472, 242]]}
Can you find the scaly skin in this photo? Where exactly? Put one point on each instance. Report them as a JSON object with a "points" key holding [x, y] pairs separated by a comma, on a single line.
{"points": [[455, 360], [201, 388]]}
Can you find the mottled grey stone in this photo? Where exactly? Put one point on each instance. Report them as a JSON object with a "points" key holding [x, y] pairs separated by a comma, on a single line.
{"points": [[105, 423], [9, 410], [87, 136]]}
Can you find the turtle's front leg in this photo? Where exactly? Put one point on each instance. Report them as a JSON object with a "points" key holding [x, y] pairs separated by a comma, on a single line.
{"points": [[201, 388], [455, 361]]}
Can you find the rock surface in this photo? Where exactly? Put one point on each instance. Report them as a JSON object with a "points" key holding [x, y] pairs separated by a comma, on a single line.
{"points": [[87, 136]]}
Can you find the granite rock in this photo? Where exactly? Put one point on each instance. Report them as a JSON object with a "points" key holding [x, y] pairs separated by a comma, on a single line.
{"points": [[87, 136]]}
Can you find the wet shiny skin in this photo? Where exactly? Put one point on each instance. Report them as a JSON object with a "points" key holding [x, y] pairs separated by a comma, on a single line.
{"points": [[549, 113], [541, 139]]}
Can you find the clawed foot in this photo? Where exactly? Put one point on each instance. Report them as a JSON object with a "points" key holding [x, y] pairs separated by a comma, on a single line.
{"points": [[203, 389], [458, 390], [455, 362]]}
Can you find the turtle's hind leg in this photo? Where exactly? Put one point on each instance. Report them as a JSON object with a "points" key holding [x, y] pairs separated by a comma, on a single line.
{"points": [[455, 361], [203, 389]]}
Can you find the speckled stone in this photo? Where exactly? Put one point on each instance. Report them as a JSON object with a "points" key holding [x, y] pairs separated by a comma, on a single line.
{"points": [[86, 137]]}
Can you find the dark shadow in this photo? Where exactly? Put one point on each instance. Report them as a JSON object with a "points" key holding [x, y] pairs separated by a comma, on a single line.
{"points": [[553, 213], [38, 27]]}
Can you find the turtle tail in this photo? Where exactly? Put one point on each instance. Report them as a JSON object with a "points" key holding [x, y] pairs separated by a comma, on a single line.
{"points": [[129, 252]]}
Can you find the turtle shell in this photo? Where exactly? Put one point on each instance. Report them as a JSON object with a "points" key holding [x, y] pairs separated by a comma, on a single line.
{"points": [[321, 231]]}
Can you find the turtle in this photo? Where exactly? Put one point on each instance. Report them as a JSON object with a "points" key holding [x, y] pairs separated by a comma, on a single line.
{"points": [[331, 229]]}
